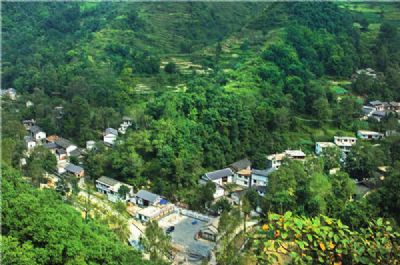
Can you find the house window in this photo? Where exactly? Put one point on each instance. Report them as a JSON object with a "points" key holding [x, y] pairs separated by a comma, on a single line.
{"points": [[245, 182], [254, 181], [224, 179]]}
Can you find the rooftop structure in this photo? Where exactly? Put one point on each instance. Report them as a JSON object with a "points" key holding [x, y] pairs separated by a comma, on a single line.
{"points": [[218, 174]]}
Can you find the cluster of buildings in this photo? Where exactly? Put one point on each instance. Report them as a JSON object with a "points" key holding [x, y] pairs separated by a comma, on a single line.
{"points": [[62, 148], [378, 110], [344, 143], [367, 71], [245, 177], [110, 134], [151, 206]]}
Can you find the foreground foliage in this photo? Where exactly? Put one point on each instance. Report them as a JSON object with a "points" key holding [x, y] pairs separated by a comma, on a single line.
{"points": [[323, 240], [38, 228]]}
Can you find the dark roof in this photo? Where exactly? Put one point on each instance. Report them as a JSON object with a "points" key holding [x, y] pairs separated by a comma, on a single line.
{"points": [[62, 142], [375, 102], [241, 164], [107, 180], [35, 129], [111, 131], [50, 145], [61, 151], [28, 121], [73, 168], [76, 152], [367, 109], [379, 113], [148, 196], [219, 173], [264, 172]]}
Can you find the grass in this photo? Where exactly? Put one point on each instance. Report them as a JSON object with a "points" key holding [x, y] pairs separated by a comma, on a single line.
{"points": [[339, 90]]}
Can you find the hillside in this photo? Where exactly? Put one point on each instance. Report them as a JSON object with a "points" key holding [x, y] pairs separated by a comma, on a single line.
{"points": [[202, 85]]}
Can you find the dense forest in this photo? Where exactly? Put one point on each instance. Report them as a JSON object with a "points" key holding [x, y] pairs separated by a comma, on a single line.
{"points": [[206, 84]]}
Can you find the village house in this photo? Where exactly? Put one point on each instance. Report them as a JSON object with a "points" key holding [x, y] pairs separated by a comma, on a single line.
{"points": [[275, 161], [240, 165], [210, 231], [52, 147], [109, 136], [378, 115], [395, 106], [242, 172], [28, 124], [90, 145], [220, 178], [59, 112], [260, 177], [61, 154], [154, 212], [367, 111], [145, 198], [29, 104], [77, 152], [11, 93], [110, 187], [65, 144], [243, 177], [295, 154], [321, 146], [37, 133], [51, 138], [377, 105], [30, 143], [367, 71], [344, 143], [75, 170], [126, 123], [369, 135]]}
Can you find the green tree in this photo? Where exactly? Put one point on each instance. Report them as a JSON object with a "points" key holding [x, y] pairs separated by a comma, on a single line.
{"points": [[123, 191], [156, 243]]}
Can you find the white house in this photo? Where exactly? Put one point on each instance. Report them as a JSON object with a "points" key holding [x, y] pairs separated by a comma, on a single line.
{"points": [[295, 154], [65, 144], [37, 134], [369, 135], [29, 104], [321, 146], [90, 145], [275, 161], [260, 177], [153, 213], [30, 143], [345, 142], [110, 187], [109, 136], [377, 105], [220, 178], [243, 177]]}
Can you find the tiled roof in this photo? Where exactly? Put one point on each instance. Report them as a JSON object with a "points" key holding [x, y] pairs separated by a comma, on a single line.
{"points": [[219, 173]]}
